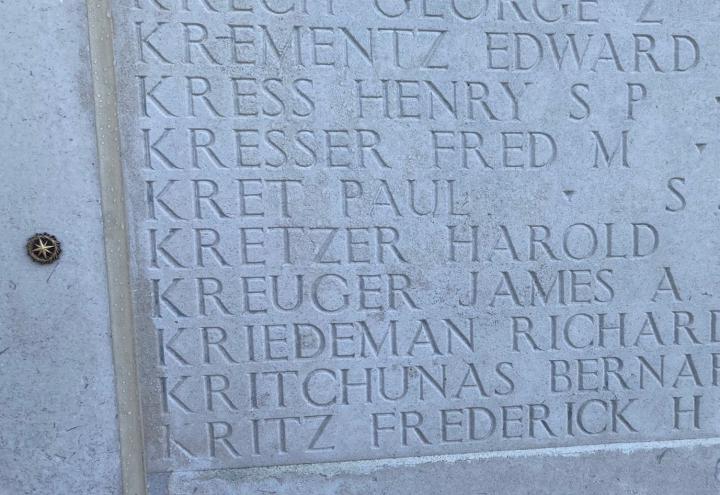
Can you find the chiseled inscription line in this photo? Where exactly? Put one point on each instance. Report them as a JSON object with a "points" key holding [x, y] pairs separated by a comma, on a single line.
{"points": [[369, 465]]}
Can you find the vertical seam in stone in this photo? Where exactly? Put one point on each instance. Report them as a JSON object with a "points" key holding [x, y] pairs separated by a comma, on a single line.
{"points": [[116, 247]]}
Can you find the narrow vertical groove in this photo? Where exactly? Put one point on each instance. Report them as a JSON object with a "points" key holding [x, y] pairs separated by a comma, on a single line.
{"points": [[116, 246]]}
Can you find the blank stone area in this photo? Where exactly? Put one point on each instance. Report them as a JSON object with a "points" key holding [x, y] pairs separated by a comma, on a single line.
{"points": [[58, 414], [373, 230]]}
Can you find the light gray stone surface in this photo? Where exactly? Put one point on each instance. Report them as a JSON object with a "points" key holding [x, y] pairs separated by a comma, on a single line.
{"points": [[282, 144], [58, 431], [273, 144], [673, 471]]}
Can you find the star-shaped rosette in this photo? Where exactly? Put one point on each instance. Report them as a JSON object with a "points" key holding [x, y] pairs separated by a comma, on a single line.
{"points": [[44, 248]]}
